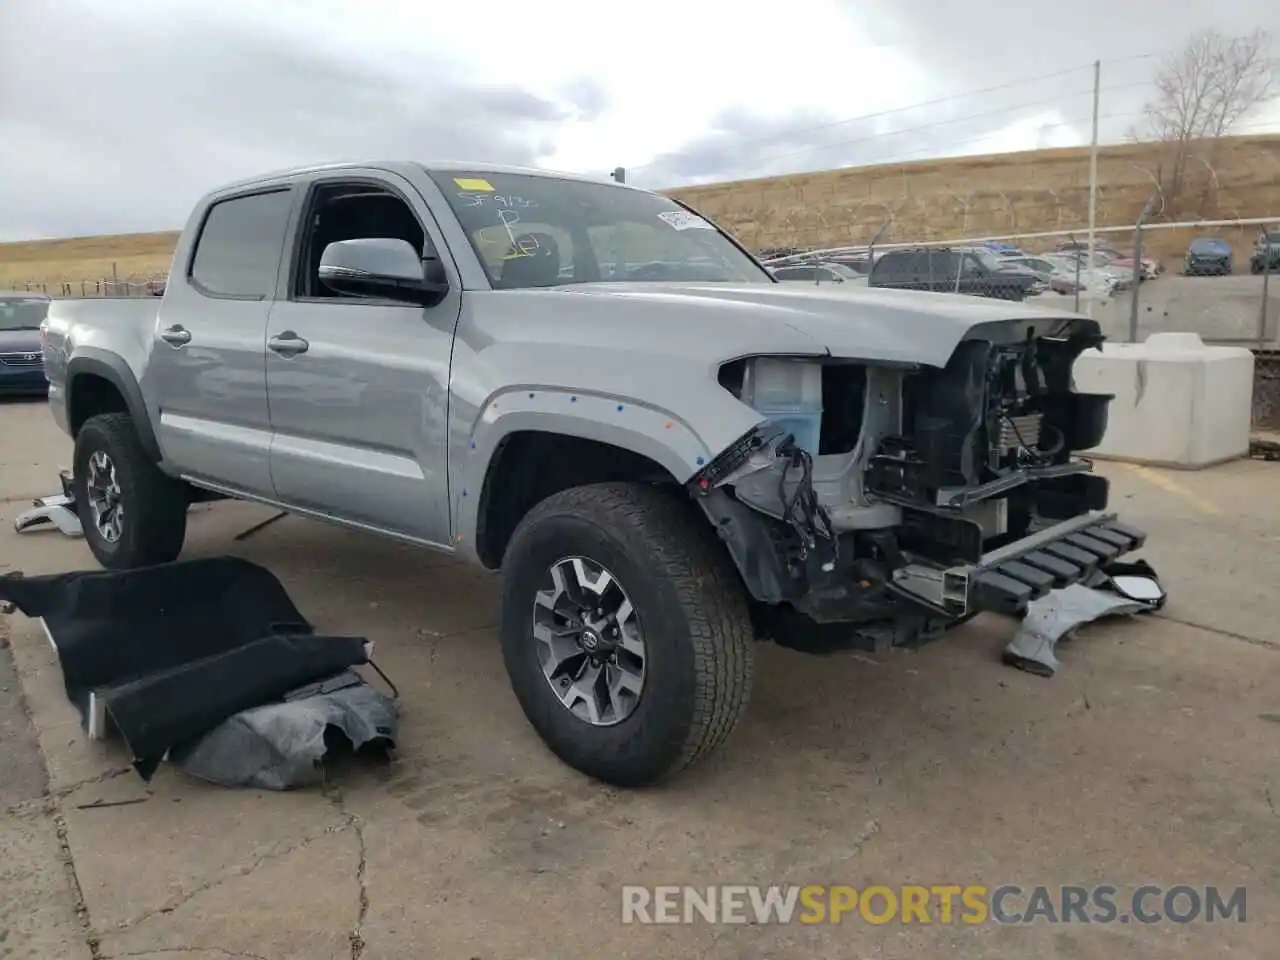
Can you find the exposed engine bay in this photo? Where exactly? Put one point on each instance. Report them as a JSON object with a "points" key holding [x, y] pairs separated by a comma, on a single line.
{"points": [[870, 486]]}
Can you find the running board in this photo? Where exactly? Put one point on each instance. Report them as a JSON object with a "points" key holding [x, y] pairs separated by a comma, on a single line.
{"points": [[1007, 579]]}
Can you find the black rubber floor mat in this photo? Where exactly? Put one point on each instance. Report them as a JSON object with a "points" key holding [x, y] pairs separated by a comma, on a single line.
{"points": [[172, 651]]}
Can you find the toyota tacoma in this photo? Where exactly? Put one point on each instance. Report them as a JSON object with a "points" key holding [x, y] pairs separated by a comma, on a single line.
{"points": [[668, 454]]}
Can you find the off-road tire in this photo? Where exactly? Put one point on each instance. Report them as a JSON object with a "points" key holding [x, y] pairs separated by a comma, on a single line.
{"points": [[154, 505], [700, 647]]}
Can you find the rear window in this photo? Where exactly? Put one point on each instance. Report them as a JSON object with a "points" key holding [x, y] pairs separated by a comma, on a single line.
{"points": [[238, 252], [22, 314]]}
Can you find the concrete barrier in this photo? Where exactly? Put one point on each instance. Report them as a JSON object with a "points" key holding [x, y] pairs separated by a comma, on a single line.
{"points": [[1178, 402]]}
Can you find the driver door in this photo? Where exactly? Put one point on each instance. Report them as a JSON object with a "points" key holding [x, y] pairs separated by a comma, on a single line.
{"points": [[359, 388]]}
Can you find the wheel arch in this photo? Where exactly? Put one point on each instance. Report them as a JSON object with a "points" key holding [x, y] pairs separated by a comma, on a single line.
{"points": [[101, 382]]}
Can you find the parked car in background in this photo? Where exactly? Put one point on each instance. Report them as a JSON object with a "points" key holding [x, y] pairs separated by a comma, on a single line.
{"points": [[1003, 248], [1090, 283], [1266, 252], [816, 273], [969, 270], [1208, 256], [21, 356], [1041, 267], [1081, 246]]}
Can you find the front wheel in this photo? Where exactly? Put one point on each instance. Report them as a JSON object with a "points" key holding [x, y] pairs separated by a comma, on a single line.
{"points": [[132, 513], [625, 631]]}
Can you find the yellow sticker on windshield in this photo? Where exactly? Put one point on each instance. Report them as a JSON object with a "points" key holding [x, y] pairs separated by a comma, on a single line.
{"points": [[473, 183]]}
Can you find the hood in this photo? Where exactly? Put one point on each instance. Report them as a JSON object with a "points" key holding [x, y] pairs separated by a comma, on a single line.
{"points": [[19, 341], [723, 321]]}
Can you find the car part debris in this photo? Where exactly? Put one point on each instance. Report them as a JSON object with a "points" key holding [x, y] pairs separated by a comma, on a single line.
{"points": [[1052, 617], [280, 746], [58, 510], [1118, 588], [165, 654]]}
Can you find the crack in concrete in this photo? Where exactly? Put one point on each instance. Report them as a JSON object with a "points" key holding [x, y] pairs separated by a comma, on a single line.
{"points": [[356, 936], [113, 774], [77, 892], [1229, 634], [48, 804], [233, 873], [235, 954]]}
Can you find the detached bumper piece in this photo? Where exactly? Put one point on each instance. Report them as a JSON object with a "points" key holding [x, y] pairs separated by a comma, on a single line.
{"points": [[1009, 579]]}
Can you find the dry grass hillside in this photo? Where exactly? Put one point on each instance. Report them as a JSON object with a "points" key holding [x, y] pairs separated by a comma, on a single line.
{"points": [[137, 256], [929, 200], [993, 195]]}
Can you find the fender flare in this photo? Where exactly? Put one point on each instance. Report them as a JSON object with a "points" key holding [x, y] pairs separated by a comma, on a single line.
{"points": [[112, 368], [652, 432]]}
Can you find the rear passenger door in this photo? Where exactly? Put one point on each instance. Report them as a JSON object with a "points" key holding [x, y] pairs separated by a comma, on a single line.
{"points": [[359, 388], [205, 374]]}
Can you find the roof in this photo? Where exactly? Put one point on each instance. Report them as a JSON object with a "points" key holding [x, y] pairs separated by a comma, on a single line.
{"points": [[22, 295], [406, 166]]}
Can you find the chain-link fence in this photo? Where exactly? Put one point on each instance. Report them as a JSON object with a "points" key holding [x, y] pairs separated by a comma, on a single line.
{"points": [[1266, 392], [1131, 293]]}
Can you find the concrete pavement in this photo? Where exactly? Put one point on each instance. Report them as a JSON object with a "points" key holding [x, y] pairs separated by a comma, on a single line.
{"points": [[1151, 757]]}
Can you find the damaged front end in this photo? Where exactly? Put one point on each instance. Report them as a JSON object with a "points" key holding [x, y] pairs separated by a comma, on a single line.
{"points": [[908, 498]]}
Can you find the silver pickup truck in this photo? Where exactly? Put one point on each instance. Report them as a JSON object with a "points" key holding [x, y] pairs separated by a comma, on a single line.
{"points": [[590, 387]]}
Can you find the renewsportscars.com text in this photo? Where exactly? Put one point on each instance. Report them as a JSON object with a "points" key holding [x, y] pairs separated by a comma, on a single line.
{"points": [[934, 903]]}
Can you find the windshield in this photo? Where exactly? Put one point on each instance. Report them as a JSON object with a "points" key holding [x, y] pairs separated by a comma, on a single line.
{"points": [[535, 231], [22, 314], [1209, 244]]}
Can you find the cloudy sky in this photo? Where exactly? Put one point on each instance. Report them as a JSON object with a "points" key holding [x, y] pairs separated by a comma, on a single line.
{"points": [[115, 115]]}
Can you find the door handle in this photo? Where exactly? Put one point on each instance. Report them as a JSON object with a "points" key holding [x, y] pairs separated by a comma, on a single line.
{"points": [[176, 336], [287, 344]]}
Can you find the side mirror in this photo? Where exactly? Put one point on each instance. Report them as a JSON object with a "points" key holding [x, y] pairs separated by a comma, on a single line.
{"points": [[383, 268]]}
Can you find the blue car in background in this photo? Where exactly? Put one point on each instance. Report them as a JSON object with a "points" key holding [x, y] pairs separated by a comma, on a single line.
{"points": [[1003, 248], [1208, 256], [21, 356]]}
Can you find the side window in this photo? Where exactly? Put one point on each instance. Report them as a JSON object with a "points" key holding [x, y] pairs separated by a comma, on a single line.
{"points": [[350, 211], [943, 264], [794, 273], [239, 246], [895, 265]]}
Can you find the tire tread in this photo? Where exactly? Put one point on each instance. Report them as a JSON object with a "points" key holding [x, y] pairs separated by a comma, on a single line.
{"points": [[684, 550]]}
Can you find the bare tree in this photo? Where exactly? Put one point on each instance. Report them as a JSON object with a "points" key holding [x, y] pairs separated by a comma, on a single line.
{"points": [[1202, 92]]}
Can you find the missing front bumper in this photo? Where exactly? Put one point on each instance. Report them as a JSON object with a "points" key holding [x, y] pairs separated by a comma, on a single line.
{"points": [[1007, 579]]}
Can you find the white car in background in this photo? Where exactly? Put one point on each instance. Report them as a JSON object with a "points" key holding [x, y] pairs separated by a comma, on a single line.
{"points": [[818, 273]]}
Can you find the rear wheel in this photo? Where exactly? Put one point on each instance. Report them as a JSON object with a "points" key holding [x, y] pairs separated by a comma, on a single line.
{"points": [[625, 631], [133, 514]]}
